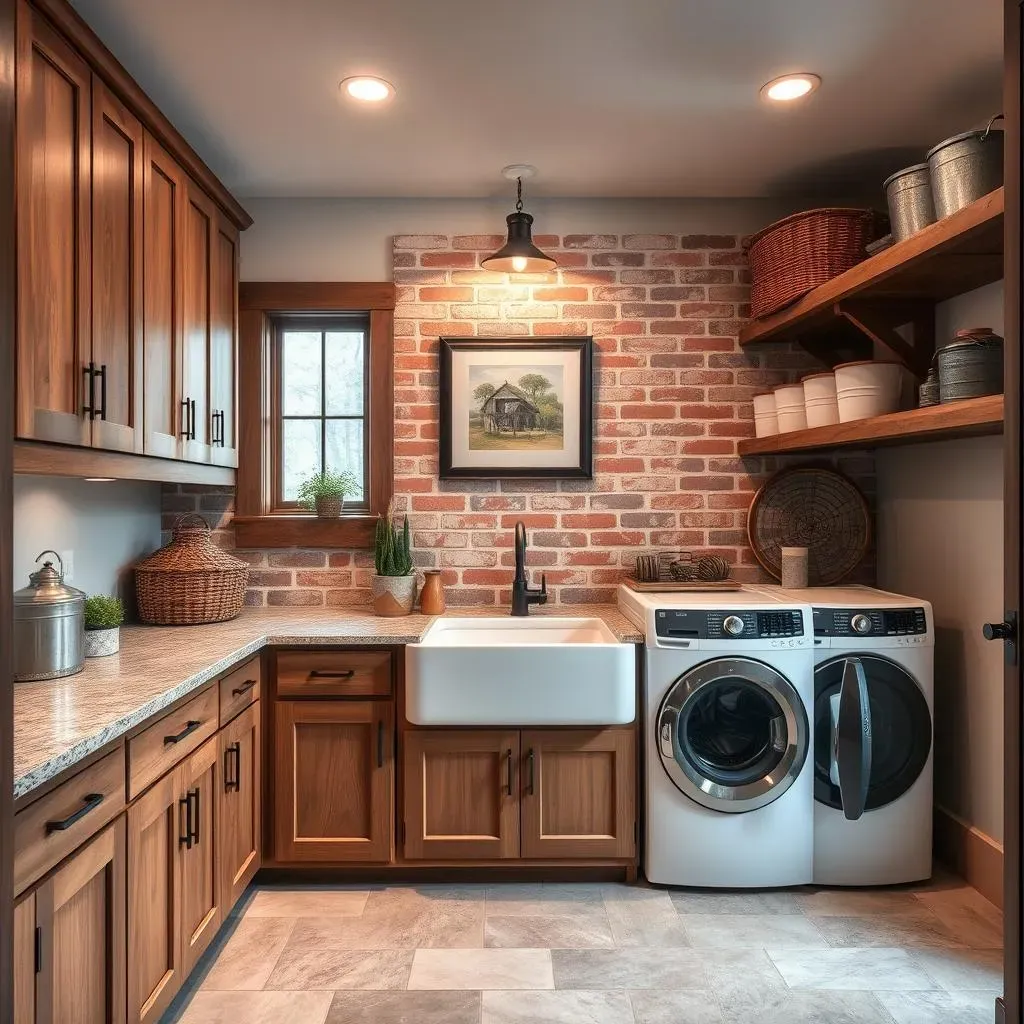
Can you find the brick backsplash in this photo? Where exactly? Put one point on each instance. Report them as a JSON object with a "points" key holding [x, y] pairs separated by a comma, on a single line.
{"points": [[672, 397]]}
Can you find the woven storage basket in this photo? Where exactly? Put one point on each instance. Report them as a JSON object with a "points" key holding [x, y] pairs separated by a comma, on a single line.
{"points": [[794, 255], [190, 581]]}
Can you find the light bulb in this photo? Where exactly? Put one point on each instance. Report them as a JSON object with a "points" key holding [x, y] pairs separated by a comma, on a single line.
{"points": [[368, 89], [518, 264], [791, 87]]}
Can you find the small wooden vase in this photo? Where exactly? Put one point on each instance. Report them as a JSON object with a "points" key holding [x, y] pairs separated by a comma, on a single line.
{"points": [[432, 594]]}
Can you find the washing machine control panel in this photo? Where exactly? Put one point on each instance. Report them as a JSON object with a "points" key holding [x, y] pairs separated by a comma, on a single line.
{"points": [[870, 622], [736, 624]]}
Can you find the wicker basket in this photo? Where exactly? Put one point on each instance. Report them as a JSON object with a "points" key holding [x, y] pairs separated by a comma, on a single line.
{"points": [[191, 581], [794, 255]]}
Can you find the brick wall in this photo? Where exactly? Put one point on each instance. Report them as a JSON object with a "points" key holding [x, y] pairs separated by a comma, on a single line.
{"points": [[672, 398]]}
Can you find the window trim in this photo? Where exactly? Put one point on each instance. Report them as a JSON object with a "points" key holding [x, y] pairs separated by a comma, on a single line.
{"points": [[256, 524]]}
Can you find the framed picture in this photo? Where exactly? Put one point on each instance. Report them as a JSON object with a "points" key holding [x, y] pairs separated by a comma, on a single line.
{"points": [[517, 407]]}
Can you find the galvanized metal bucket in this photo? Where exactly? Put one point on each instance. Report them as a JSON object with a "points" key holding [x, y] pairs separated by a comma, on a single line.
{"points": [[909, 195], [965, 168], [971, 365]]}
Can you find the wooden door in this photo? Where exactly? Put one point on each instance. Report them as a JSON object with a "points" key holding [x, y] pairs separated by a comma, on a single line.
{"points": [[80, 912], [239, 799], [25, 953], [224, 344], [334, 781], [54, 282], [165, 418], [579, 793], [461, 794], [156, 829], [200, 895], [117, 190]]}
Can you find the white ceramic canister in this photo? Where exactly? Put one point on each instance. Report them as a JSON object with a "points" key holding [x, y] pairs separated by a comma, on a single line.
{"points": [[820, 399], [789, 407], [766, 420], [868, 388]]}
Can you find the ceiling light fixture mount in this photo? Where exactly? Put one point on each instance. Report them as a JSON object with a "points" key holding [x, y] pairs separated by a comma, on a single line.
{"points": [[367, 88], [519, 255], [790, 87]]}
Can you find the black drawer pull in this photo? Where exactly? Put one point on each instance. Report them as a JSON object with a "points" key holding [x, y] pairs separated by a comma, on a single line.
{"points": [[102, 374], [530, 764], [244, 688], [90, 802], [190, 727], [316, 674], [508, 772], [89, 408]]}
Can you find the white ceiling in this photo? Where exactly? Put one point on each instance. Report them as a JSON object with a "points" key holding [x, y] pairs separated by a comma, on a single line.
{"points": [[606, 97]]}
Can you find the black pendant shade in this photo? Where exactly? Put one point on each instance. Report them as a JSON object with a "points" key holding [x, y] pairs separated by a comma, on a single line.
{"points": [[519, 255]]}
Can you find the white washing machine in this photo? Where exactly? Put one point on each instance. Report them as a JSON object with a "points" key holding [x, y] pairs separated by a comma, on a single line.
{"points": [[873, 712], [728, 788]]}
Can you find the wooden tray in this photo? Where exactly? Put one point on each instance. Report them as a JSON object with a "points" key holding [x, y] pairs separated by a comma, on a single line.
{"points": [[676, 587]]}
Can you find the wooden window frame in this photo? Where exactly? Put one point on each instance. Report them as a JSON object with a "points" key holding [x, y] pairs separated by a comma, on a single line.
{"points": [[257, 525]]}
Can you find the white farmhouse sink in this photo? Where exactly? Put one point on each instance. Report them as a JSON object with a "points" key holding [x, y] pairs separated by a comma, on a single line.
{"points": [[544, 670]]}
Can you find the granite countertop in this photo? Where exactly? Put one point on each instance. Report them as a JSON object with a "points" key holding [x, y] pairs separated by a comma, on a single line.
{"points": [[58, 723]]}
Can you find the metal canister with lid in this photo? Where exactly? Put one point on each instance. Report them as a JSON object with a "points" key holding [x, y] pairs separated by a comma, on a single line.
{"points": [[49, 625]]}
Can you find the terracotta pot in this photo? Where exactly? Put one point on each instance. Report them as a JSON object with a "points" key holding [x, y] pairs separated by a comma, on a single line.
{"points": [[393, 595], [328, 506], [101, 642], [432, 594]]}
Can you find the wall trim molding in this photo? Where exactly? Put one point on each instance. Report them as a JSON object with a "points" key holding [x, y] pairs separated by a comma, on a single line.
{"points": [[976, 857]]}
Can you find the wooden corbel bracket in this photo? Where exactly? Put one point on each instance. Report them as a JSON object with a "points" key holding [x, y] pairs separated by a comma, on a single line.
{"points": [[878, 319]]}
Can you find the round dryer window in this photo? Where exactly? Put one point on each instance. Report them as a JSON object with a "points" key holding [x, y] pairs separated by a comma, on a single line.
{"points": [[732, 734]]}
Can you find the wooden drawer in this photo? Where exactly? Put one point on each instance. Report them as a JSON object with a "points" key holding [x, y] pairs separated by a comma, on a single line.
{"points": [[240, 688], [334, 674], [55, 825], [162, 745]]}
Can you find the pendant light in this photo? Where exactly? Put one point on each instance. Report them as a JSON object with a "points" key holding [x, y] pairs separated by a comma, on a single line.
{"points": [[519, 255]]}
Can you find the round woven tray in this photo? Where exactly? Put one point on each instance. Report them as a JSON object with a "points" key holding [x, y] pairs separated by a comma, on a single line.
{"points": [[817, 509]]}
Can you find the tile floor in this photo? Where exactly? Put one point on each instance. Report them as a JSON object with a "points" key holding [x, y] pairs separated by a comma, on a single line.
{"points": [[601, 954]]}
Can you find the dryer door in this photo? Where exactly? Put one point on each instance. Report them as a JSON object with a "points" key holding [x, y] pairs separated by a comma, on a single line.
{"points": [[732, 734], [896, 732]]}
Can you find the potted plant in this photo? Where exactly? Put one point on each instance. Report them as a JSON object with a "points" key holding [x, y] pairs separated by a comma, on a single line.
{"points": [[325, 493], [394, 584], [103, 618]]}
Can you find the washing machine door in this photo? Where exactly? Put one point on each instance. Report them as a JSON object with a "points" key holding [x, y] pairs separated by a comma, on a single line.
{"points": [[867, 752], [732, 734]]}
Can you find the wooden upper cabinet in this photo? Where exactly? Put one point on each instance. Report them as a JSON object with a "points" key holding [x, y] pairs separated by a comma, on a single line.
{"points": [[461, 797], [117, 297], [164, 197], [239, 801], [333, 781], [53, 140], [224, 345], [80, 912], [578, 793], [197, 268]]}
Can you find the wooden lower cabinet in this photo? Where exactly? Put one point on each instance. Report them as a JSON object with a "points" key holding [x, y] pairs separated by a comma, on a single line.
{"points": [[238, 805], [578, 793], [461, 794], [333, 781], [25, 960]]}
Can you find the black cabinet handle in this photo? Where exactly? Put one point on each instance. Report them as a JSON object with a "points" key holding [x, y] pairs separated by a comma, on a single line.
{"points": [[244, 688], [192, 419], [190, 727], [185, 803], [530, 769], [234, 752], [185, 431], [89, 803], [194, 795], [102, 374], [89, 406], [380, 743], [508, 771], [213, 427], [347, 674]]}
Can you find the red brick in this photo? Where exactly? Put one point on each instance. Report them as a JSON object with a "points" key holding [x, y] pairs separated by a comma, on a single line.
{"points": [[337, 559], [677, 259], [647, 277], [590, 241], [469, 521], [295, 598], [485, 242], [531, 520], [489, 577], [647, 412], [557, 502], [558, 539], [420, 241], [348, 598], [296, 560], [475, 559], [450, 260], [648, 310], [678, 327], [572, 294], [262, 578], [705, 309], [686, 360], [649, 242], [707, 412], [586, 595], [729, 293], [619, 293], [708, 242], [622, 538], [438, 502], [589, 311], [708, 345], [438, 539], [330, 578], [496, 503], [450, 294], [588, 521], [586, 557], [728, 259], [560, 328], [618, 259], [589, 277]]}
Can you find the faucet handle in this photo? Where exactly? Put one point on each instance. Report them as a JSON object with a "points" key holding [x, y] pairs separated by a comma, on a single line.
{"points": [[543, 583]]}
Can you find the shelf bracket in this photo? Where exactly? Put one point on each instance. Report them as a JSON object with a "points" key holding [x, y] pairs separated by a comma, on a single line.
{"points": [[878, 320]]}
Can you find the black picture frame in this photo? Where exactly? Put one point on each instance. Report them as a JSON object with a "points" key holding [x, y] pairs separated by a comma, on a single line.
{"points": [[584, 467]]}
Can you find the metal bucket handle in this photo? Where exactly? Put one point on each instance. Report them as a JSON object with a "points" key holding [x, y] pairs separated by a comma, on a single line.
{"points": [[988, 127]]}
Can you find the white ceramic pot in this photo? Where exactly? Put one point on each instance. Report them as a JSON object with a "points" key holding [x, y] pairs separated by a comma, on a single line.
{"points": [[820, 401], [393, 595], [868, 388], [766, 420], [101, 642], [789, 407]]}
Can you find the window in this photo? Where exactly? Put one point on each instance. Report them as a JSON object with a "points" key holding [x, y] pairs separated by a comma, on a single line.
{"points": [[315, 392], [322, 397]]}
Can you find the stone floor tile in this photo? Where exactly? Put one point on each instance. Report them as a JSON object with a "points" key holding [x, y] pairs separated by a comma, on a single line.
{"points": [[964, 970], [915, 929], [542, 900], [548, 932], [647, 918], [938, 1007], [556, 1008], [784, 1006], [307, 902], [782, 901], [257, 1007], [678, 1007], [481, 969], [249, 955], [754, 931], [967, 914], [856, 902], [865, 970], [405, 1008], [303, 967], [636, 967]]}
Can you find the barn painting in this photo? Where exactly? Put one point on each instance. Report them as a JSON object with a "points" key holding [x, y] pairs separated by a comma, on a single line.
{"points": [[509, 409], [516, 407]]}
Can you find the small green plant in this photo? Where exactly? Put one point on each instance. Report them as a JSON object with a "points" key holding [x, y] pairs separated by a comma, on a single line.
{"points": [[327, 485], [102, 612], [392, 547]]}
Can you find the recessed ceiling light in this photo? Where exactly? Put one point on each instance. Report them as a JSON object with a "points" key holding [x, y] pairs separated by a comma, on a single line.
{"points": [[790, 87], [367, 89]]}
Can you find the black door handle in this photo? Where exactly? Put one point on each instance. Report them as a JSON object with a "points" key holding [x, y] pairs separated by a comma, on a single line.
{"points": [[192, 419], [190, 727], [347, 674], [380, 743], [508, 772], [89, 407], [185, 432], [999, 631], [102, 374], [90, 802], [213, 427], [244, 688], [530, 759], [185, 803], [853, 740], [193, 794], [233, 752]]}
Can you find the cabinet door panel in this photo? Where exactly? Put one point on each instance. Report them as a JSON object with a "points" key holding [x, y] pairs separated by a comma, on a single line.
{"points": [[25, 960], [54, 283], [163, 225], [334, 781], [224, 344], [196, 271], [81, 914], [461, 797], [117, 324], [579, 793], [239, 804]]}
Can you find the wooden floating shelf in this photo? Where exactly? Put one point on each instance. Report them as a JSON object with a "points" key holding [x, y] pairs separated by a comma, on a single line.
{"points": [[955, 255], [971, 417]]}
